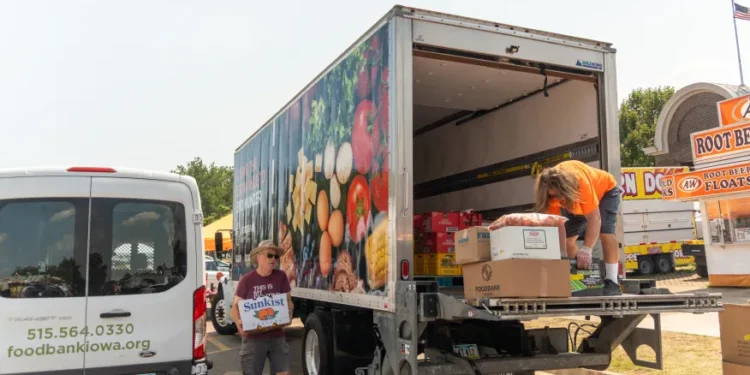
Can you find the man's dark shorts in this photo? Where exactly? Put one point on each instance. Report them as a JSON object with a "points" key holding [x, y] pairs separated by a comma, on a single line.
{"points": [[254, 352], [608, 207]]}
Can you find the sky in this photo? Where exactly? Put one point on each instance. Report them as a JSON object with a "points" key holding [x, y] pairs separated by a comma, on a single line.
{"points": [[154, 83]]}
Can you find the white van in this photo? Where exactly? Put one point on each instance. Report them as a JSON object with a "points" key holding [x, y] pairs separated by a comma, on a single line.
{"points": [[101, 272]]}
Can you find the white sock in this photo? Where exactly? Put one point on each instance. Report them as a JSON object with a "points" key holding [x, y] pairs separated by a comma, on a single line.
{"points": [[612, 270]]}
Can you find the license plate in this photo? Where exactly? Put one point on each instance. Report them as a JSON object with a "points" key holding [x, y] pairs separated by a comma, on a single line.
{"points": [[469, 351]]}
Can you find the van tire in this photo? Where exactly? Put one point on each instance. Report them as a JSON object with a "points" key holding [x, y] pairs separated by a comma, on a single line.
{"points": [[217, 305], [318, 324]]}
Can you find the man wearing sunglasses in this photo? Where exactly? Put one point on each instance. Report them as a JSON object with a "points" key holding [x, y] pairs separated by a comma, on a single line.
{"points": [[266, 279]]}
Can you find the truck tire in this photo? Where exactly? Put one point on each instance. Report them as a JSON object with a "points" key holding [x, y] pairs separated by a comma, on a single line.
{"points": [[702, 271], [317, 344], [663, 264], [646, 265], [219, 312]]}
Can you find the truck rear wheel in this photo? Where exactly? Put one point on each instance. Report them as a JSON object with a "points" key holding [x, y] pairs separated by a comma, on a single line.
{"points": [[219, 313], [317, 344], [663, 264], [646, 265]]}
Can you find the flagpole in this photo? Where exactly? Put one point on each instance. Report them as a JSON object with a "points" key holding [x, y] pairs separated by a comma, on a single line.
{"points": [[737, 41]]}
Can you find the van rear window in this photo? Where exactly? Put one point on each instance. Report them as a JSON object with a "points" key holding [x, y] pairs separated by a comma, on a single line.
{"points": [[136, 246], [43, 248]]}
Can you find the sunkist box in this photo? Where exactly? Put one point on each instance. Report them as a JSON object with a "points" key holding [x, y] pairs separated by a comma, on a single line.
{"points": [[525, 243], [734, 323], [472, 245], [517, 278], [587, 282], [264, 312]]}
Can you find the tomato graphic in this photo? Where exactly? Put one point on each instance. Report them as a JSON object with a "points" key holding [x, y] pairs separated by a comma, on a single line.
{"points": [[364, 136], [358, 208], [379, 189]]}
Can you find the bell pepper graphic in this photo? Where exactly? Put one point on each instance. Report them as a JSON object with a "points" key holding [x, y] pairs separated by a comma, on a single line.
{"points": [[266, 314]]}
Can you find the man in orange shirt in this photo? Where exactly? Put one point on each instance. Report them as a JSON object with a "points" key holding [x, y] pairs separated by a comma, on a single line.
{"points": [[590, 199]]}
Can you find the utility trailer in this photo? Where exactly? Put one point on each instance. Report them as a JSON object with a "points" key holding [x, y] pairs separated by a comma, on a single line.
{"points": [[429, 112]]}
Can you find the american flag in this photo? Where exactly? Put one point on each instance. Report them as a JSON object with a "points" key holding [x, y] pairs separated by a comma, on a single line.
{"points": [[741, 12]]}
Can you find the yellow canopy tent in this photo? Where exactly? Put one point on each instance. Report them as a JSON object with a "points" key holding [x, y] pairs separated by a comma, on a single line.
{"points": [[223, 224]]}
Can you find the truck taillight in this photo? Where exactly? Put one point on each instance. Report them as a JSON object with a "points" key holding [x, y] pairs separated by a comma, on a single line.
{"points": [[199, 323], [404, 270]]}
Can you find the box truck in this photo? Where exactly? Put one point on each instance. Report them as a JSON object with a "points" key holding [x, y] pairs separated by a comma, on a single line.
{"points": [[429, 112], [655, 230]]}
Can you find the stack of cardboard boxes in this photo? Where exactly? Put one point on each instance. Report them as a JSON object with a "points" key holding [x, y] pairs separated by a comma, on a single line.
{"points": [[521, 261], [434, 242]]}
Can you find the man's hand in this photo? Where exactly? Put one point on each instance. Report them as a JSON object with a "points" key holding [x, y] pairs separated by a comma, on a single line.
{"points": [[583, 258]]}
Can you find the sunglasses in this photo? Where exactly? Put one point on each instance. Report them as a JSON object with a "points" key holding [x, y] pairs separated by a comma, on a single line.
{"points": [[272, 256]]}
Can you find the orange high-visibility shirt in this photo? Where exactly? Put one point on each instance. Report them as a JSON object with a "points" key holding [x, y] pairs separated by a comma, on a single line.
{"points": [[593, 183]]}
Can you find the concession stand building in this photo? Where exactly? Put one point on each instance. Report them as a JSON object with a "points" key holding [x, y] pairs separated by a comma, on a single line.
{"points": [[721, 183]]}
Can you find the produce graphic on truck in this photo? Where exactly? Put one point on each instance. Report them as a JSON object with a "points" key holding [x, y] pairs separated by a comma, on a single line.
{"points": [[428, 112], [655, 229]]}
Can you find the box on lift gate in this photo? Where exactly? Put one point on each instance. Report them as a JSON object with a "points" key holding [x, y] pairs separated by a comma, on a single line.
{"points": [[587, 283], [473, 245], [517, 278], [525, 242]]}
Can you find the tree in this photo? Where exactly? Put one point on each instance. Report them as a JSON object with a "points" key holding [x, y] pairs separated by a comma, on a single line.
{"points": [[215, 184], [638, 116]]}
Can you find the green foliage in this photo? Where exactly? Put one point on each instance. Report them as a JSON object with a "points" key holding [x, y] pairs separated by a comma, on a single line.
{"points": [[638, 116], [215, 184]]}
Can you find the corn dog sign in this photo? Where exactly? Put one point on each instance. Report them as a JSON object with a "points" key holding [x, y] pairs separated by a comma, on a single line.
{"points": [[734, 110], [720, 142]]}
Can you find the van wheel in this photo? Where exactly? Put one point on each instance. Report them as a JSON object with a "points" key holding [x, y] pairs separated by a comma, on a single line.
{"points": [[317, 344], [663, 264], [646, 265], [219, 313]]}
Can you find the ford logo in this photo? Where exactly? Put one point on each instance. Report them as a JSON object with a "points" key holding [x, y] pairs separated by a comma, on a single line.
{"points": [[147, 353], [690, 184]]}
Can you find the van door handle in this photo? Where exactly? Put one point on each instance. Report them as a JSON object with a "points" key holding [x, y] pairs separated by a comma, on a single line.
{"points": [[115, 314]]}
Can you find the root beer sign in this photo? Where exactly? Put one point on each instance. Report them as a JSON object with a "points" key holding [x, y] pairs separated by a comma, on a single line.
{"points": [[733, 111], [720, 142], [707, 182]]}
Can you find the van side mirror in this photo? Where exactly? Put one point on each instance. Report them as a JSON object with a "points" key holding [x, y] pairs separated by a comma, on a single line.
{"points": [[219, 243]]}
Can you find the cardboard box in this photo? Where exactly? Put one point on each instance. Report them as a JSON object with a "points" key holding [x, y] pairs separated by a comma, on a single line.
{"points": [[517, 278], [734, 369], [439, 243], [525, 243], [734, 328], [445, 265], [265, 312], [473, 245], [420, 263], [585, 283], [439, 222], [468, 219], [430, 264]]}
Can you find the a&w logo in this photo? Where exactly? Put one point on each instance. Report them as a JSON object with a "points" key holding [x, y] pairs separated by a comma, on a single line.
{"points": [[690, 184]]}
